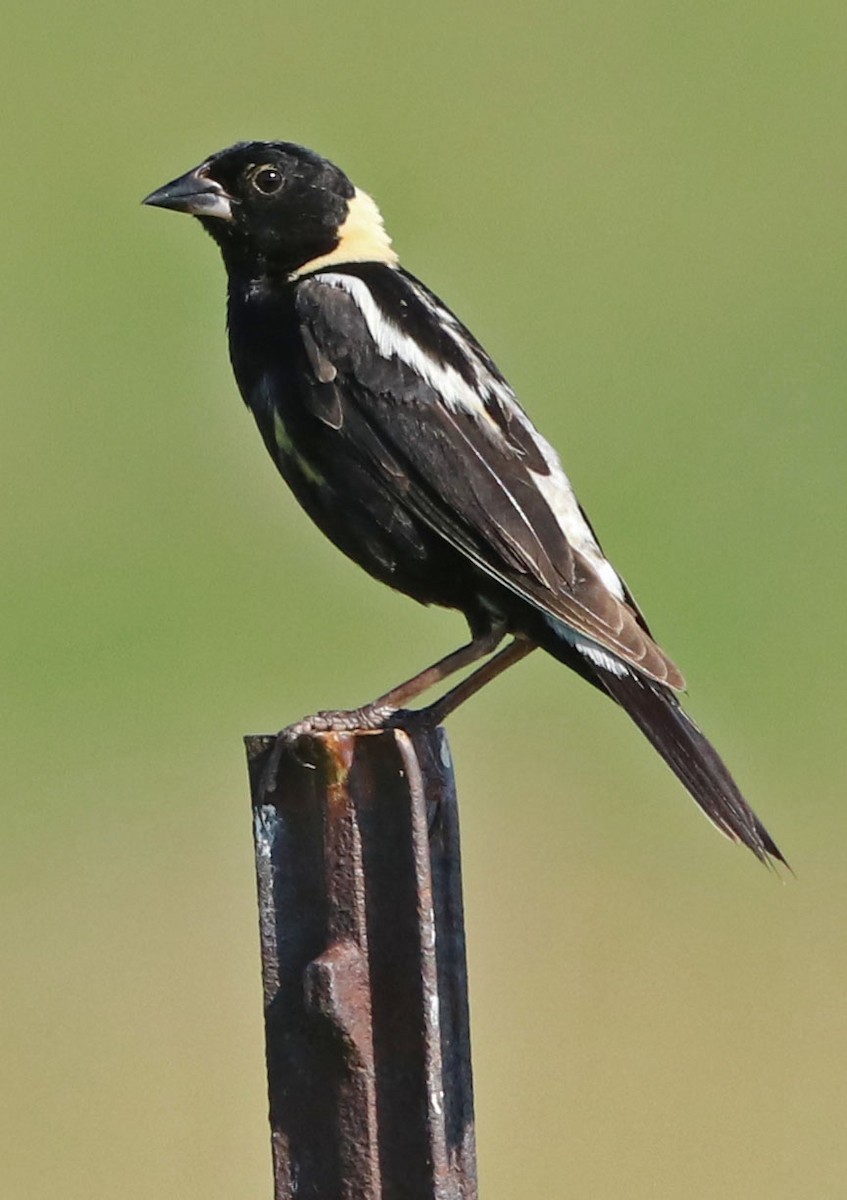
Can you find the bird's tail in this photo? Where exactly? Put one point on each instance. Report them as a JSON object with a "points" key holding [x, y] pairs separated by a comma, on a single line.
{"points": [[691, 756]]}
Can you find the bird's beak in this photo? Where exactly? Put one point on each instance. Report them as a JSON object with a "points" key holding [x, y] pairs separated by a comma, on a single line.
{"points": [[193, 193]]}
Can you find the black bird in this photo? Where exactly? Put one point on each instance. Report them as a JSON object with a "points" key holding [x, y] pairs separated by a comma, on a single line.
{"points": [[408, 448]]}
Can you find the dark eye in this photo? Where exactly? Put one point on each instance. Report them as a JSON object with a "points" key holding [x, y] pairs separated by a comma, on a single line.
{"points": [[267, 180]]}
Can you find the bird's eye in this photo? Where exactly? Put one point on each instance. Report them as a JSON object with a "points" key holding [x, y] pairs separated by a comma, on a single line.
{"points": [[267, 180]]}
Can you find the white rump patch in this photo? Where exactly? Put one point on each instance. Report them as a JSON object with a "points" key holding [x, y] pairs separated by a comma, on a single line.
{"points": [[597, 655], [557, 491]]}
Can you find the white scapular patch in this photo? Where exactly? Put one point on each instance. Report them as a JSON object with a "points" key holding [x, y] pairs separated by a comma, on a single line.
{"points": [[489, 386], [456, 392], [598, 656], [555, 487], [361, 238], [392, 342], [460, 396]]}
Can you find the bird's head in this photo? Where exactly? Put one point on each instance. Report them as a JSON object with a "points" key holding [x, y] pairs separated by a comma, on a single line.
{"points": [[274, 207]]}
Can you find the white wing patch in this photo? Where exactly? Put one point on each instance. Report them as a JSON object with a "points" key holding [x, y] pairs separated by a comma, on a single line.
{"points": [[460, 396], [557, 491], [555, 487]]}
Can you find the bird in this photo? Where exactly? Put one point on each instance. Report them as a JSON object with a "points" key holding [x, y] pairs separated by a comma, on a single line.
{"points": [[408, 448]]}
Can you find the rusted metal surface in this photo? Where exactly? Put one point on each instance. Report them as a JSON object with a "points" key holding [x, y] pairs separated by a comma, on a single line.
{"points": [[363, 961]]}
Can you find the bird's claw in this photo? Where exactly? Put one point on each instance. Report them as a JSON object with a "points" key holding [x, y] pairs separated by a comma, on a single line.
{"points": [[369, 717]]}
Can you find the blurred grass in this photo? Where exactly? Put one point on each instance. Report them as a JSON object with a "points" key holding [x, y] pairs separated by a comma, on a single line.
{"points": [[639, 208]]}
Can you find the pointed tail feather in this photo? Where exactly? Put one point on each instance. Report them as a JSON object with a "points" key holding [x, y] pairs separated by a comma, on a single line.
{"points": [[692, 757]]}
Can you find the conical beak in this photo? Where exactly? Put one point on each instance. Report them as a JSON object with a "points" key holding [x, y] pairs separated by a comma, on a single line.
{"points": [[193, 193]]}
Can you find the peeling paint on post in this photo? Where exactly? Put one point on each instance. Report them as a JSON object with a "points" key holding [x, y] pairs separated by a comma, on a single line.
{"points": [[363, 961]]}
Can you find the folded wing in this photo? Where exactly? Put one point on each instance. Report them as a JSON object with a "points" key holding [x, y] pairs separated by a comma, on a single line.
{"points": [[427, 409]]}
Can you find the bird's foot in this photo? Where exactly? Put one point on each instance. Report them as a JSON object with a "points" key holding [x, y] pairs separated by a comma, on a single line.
{"points": [[369, 717]]}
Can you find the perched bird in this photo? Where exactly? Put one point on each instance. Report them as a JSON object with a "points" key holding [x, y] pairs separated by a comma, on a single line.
{"points": [[408, 448]]}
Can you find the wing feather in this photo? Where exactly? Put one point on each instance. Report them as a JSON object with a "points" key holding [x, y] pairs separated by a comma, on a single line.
{"points": [[464, 475]]}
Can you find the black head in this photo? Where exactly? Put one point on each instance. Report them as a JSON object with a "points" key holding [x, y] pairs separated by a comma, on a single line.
{"points": [[272, 206]]}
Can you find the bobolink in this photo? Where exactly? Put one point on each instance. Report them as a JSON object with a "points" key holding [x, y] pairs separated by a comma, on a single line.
{"points": [[407, 447]]}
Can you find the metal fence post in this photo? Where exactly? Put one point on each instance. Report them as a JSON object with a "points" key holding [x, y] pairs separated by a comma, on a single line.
{"points": [[363, 962]]}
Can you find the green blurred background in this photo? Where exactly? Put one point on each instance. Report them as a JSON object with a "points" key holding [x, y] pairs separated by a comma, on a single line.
{"points": [[639, 208]]}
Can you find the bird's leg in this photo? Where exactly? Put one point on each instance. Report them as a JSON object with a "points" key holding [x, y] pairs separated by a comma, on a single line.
{"points": [[481, 645], [379, 712], [435, 713]]}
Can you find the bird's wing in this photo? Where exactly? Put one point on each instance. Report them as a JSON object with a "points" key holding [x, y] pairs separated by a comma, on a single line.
{"points": [[429, 411]]}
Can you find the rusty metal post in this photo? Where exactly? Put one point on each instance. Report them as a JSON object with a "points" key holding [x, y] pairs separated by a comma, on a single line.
{"points": [[363, 962]]}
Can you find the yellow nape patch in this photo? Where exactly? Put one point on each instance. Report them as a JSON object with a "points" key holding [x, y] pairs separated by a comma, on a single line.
{"points": [[362, 238]]}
